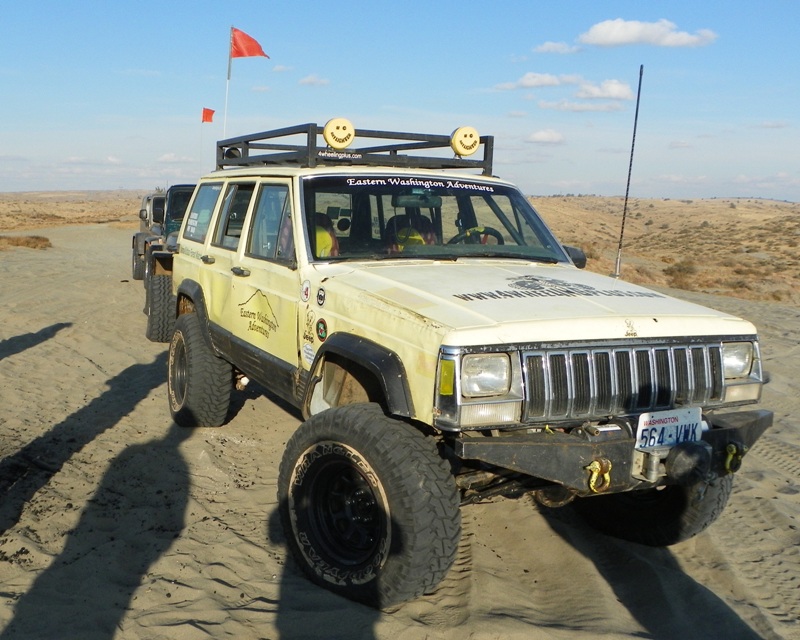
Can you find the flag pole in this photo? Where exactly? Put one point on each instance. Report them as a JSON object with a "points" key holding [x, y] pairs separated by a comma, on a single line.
{"points": [[227, 87]]}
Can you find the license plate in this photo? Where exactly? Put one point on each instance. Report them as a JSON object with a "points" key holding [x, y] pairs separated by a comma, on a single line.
{"points": [[665, 429]]}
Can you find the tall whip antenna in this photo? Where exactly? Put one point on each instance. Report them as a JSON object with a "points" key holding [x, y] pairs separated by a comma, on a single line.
{"points": [[630, 169]]}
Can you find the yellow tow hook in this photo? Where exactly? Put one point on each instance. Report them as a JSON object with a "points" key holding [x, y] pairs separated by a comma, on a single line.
{"points": [[733, 460], [599, 470]]}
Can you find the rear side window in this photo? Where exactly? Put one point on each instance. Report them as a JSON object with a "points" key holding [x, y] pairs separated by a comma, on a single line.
{"points": [[199, 216], [271, 229], [232, 215]]}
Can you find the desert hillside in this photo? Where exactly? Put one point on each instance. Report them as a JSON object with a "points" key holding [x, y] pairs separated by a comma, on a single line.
{"points": [[728, 246], [739, 247]]}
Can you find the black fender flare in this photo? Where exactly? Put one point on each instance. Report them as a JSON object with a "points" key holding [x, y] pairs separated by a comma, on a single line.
{"points": [[160, 259], [194, 292], [138, 242], [385, 365]]}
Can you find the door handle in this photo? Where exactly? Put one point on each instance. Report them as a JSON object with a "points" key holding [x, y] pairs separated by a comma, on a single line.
{"points": [[207, 260], [239, 271]]}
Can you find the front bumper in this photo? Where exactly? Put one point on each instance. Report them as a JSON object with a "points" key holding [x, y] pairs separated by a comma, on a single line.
{"points": [[587, 464]]}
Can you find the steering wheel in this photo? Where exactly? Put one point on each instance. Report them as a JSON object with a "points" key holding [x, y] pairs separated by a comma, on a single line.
{"points": [[477, 235]]}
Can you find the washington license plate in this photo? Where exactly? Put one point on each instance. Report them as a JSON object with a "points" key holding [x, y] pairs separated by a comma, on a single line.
{"points": [[665, 429]]}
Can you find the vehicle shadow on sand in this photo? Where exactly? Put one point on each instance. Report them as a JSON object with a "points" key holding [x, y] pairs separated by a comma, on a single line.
{"points": [[23, 473], [307, 611], [18, 344], [134, 515], [650, 583]]}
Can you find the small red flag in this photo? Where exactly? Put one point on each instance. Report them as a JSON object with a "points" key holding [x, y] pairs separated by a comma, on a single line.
{"points": [[243, 46], [208, 115]]}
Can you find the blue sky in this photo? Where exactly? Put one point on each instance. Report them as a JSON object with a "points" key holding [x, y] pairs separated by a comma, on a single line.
{"points": [[102, 95]]}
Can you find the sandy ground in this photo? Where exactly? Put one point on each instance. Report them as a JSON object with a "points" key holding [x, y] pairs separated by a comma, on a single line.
{"points": [[115, 523]]}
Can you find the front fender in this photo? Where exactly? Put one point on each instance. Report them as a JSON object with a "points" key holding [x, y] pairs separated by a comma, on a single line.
{"points": [[385, 365]]}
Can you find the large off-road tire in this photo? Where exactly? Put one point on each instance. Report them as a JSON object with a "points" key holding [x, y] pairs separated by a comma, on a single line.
{"points": [[160, 308], [137, 265], [198, 381], [369, 508], [658, 517]]}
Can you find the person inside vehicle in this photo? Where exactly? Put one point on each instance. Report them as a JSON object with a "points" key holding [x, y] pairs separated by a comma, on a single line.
{"points": [[401, 233], [327, 245]]}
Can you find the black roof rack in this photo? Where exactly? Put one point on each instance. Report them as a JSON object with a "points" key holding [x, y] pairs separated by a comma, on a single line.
{"points": [[246, 151]]}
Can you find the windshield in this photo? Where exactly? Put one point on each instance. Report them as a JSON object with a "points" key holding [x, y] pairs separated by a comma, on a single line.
{"points": [[385, 217]]}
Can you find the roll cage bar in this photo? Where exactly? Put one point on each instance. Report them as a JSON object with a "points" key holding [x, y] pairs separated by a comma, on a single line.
{"points": [[246, 151]]}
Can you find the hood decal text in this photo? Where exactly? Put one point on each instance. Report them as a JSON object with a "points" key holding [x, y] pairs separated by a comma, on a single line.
{"points": [[539, 287]]}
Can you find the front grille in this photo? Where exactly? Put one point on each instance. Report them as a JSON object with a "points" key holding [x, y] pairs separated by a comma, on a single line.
{"points": [[595, 382]]}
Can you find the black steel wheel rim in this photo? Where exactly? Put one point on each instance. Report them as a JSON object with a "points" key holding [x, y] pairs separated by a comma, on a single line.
{"points": [[345, 515]]}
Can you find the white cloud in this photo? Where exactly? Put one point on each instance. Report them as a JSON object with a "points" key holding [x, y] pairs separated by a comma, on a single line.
{"points": [[532, 80], [607, 90], [556, 47], [612, 33], [672, 178], [780, 180], [172, 158], [774, 124], [680, 144], [546, 136], [314, 81], [566, 105], [280, 68], [517, 114]]}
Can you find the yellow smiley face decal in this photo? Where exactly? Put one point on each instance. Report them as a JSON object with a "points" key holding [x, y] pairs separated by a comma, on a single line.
{"points": [[339, 133], [465, 141]]}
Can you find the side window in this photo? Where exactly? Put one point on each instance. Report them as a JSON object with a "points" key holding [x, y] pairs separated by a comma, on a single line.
{"points": [[271, 230], [231, 217], [199, 217]]}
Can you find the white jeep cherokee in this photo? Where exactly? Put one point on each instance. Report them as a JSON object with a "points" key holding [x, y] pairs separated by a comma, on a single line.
{"points": [[442, 347]]}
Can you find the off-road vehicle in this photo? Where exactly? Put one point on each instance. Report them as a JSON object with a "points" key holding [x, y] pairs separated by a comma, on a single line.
{"points": [[152, 243], [150, 212], [442, 346]]}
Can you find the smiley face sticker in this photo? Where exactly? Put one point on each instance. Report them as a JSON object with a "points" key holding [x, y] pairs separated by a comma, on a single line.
{"points": [[465, 141], [339, 133]]}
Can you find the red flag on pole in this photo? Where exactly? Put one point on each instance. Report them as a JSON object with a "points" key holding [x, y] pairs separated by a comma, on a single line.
{"points": [[208, 115], [243, 46]]}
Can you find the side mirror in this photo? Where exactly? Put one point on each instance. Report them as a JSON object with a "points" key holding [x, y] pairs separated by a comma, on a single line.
{"points": [[577, 256], [142, 214]]}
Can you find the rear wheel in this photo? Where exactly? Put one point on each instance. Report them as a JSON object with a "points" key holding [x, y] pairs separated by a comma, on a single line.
{"points": [[198, 381], [137, 265], [368, 506], [658, 517]]}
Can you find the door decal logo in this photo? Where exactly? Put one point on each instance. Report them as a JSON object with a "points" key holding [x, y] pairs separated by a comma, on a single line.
{"points": [[258, 312]]}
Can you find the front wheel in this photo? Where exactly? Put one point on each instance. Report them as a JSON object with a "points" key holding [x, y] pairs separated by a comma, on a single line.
{"points": [[369, 508], [198, 381], [658, 517]]}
